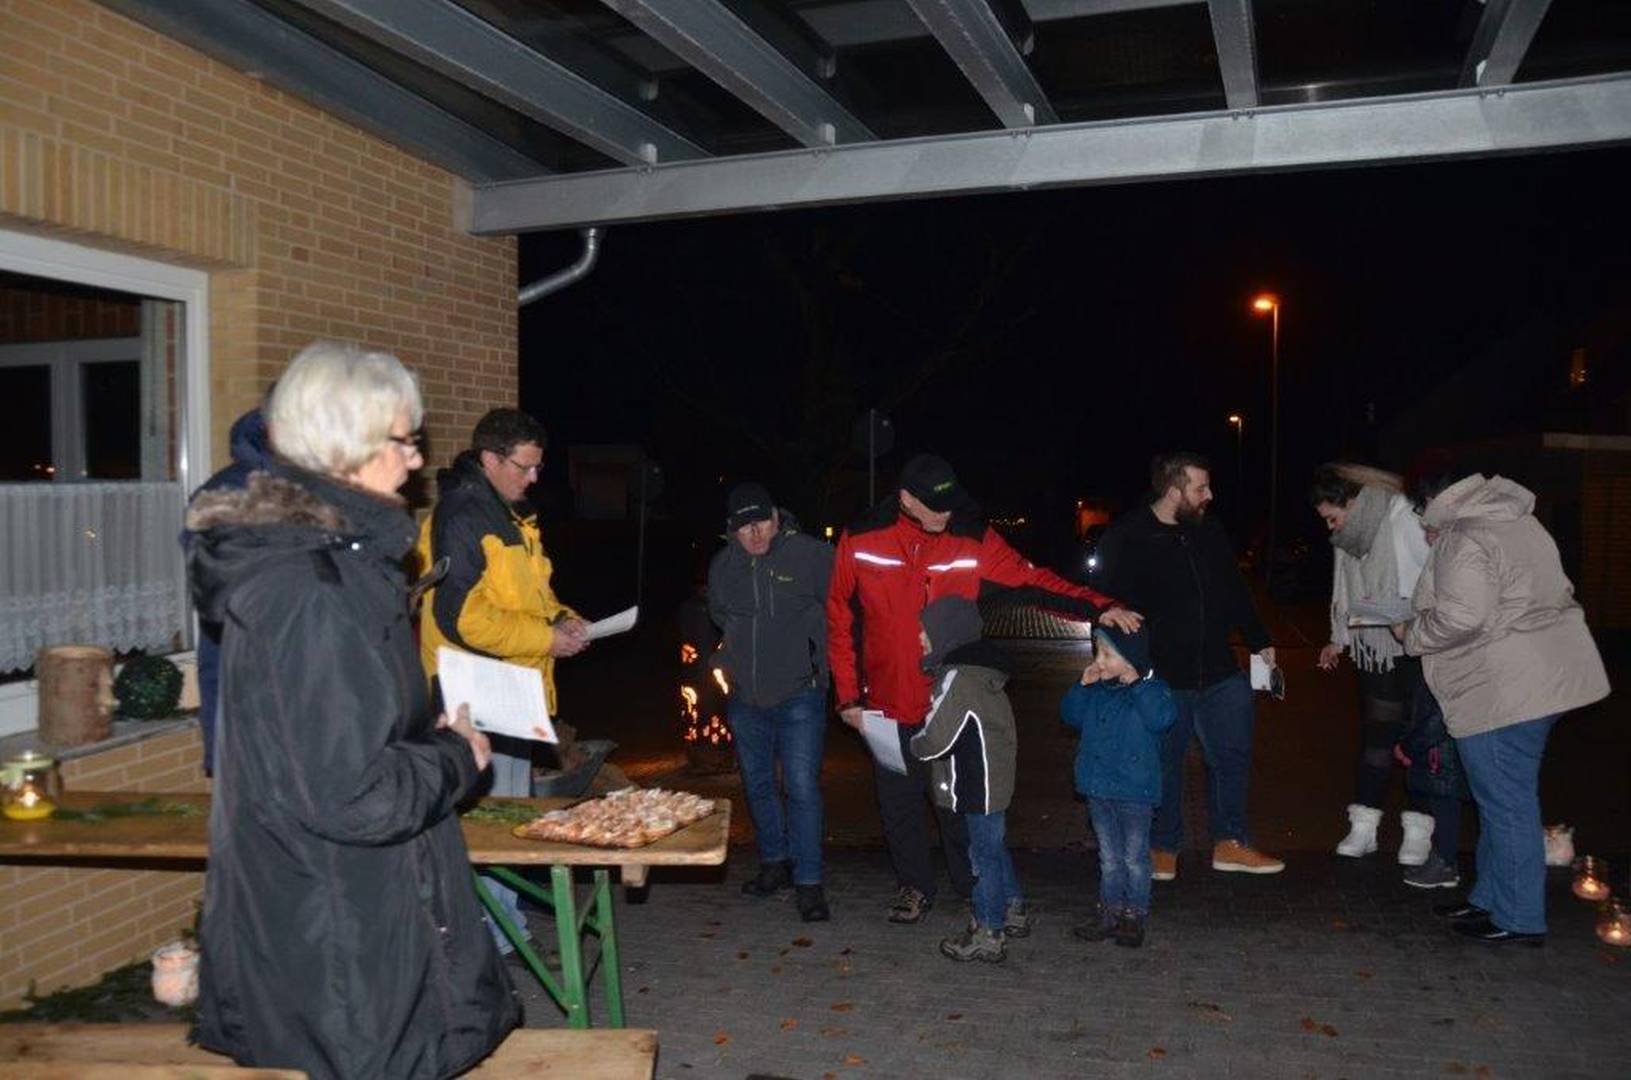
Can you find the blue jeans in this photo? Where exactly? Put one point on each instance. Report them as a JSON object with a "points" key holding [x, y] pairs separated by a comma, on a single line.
{"points": [[512, 775], [995, 886], [1221, 715], [1123, 829], [792, 732], [1503, 770]]}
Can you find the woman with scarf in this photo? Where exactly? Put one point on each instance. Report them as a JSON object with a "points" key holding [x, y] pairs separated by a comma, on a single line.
{"points": [[340, 932], [1380, 550]]}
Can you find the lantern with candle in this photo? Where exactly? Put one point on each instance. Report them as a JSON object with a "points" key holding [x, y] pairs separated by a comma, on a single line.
{"points": [[1614, 924], [175, 974], [1591, 878], [29, 786]]}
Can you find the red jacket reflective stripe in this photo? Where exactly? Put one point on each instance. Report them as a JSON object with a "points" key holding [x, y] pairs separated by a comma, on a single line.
{"points": [[884, 577]]}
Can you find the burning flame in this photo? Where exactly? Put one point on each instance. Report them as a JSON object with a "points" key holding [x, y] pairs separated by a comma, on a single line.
{"points": [[719, 677], [688, 653]]}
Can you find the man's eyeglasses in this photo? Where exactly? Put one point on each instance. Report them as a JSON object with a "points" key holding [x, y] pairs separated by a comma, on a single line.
{"points": [[525, 470]]}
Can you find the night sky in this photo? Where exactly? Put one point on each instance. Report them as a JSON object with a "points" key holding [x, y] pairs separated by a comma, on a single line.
{"points": [[1048, 343]]}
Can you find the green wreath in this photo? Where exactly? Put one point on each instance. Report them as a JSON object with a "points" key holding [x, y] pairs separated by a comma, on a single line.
{"points": [[148, 688]]}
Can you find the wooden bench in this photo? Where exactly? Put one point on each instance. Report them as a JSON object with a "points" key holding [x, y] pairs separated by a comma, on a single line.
{"points": [[161, 1052]]}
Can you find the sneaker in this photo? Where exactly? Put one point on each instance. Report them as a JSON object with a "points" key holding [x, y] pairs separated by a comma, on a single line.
{"points": [[976, 943], [1435, 873], [1099, 926], [812, 903], [1234, 857], [1460, 911], [773, 878], [1163, 865], [1016, 920], [1130, 930], [910, 905]]}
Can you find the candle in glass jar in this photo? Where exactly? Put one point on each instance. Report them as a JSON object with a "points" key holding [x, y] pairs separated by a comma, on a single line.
{"points": [[28, 804], [1614, 925], [1591, 879], [175, 974]]}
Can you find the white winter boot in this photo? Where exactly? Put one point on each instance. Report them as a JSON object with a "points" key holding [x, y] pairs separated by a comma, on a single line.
{"points": [[1418, 838], [1361, 838]]}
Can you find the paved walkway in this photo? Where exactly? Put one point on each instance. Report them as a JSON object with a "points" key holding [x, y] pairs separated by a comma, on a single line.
{"points": [[1326, 971]]}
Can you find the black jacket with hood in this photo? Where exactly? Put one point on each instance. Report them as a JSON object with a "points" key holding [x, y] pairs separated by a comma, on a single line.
{"points": [[969, 738], [1184, 579], [773, 610], [340, 932]]}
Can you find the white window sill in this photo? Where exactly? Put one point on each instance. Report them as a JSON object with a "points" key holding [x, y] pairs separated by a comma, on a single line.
{"points": [[20, 701]]}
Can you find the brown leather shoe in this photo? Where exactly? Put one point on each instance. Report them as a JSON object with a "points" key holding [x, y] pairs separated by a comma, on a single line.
{"points": [[1163, 865], [1234, 857]]}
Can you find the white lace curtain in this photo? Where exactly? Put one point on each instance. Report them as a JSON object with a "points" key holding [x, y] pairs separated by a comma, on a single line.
{"points": [[93, 564]]}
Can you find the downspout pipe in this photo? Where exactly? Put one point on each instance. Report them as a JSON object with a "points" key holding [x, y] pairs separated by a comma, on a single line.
{"points": [[562, 278]]}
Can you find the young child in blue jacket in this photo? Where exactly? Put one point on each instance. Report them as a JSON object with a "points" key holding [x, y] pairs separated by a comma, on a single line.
{"points": [[1122, 711]]}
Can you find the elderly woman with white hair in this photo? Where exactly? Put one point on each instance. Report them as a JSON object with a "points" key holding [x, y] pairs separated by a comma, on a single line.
{"points": [[340, 933]]}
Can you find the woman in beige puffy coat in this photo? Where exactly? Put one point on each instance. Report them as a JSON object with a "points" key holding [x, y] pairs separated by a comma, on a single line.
{"points": [[1505, 650]]}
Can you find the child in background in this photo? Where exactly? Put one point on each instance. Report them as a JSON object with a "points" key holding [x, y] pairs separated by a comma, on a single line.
{"points": [[1122, 711], [969, 742], [1433, 774]]}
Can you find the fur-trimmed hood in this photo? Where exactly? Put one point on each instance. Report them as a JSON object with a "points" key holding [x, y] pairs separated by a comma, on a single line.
{"points": [[284, 511]]}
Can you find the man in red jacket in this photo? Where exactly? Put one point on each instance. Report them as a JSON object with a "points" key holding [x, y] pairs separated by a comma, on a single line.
{"points": [[928, 542]]}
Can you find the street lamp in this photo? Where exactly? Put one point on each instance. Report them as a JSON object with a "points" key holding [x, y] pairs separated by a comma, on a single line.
{"points": [[1269, 304], [1238, 422]]}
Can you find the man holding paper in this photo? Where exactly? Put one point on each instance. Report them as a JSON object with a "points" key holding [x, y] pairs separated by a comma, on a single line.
{"points": [[767, 589], [496, 599], [925, 541]]}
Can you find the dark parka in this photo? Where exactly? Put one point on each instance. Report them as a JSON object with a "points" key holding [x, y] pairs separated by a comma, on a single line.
{"points": [[340, 932], [773, 610], [1123, 729]]}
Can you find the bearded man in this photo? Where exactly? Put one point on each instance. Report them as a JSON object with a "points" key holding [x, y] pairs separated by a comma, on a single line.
{"points": [[1173, 563]]}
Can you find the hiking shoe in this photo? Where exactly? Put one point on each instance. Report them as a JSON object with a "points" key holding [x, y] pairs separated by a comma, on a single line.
{"points": [[976, 943], [812, 903], [1099, 926], [1234, 857], [1016, 920], [909, 906], [1163, 865], [772, 878], [1130, 930], [1435, 873]]}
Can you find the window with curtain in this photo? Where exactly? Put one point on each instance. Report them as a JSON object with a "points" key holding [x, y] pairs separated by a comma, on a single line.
{"points": [[91, 499]]}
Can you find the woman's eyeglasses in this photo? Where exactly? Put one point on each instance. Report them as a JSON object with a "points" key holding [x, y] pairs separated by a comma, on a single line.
{"points": [[409, 442]]}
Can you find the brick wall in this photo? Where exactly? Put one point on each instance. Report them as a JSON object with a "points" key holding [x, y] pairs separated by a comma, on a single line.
{"points": [[116, 137], [64, 926], [32, 315]]}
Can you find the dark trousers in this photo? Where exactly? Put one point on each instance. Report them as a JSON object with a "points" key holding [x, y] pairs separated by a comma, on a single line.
{"points": [[1446, 811], [906, 830], [1384, 699]]}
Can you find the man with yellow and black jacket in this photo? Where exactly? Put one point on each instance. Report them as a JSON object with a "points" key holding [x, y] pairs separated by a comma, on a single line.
{"points": [[495, 597]]}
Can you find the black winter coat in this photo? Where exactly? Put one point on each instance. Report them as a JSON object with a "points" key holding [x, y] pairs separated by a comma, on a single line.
{"points": [[1185, 581], [340, 931]]}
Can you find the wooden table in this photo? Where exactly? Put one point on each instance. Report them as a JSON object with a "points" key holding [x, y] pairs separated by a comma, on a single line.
{"points": [[494, 852]]}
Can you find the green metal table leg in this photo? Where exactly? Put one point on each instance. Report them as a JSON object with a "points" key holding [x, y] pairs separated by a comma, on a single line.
{"points": [[568, 932], [611, 969], [518, 938]]}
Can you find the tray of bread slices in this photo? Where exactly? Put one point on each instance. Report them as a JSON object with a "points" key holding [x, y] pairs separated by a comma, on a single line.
{"points": [[628, 818]]}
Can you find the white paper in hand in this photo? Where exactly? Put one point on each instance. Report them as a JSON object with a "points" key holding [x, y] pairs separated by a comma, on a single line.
{"points": [[883, 739], [614, 624], [1267, 677], [504, 699]]}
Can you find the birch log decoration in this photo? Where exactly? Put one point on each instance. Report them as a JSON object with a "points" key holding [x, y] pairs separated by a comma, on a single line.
{"points": [[76, 694]]}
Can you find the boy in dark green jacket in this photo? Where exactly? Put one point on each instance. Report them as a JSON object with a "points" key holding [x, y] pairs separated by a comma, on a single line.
{"points": [[969, 742], [1122, 711]]}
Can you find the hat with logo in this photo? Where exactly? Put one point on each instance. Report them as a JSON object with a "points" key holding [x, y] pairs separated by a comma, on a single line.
{"points": [[747, 503], [930, 481]]}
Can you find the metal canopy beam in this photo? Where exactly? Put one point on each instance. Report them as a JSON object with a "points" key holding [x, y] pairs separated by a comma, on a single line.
{"points": [[1236, 39], [979, 45], [248, 38], [1457, 123], [445, 37], [706, 35], [1498, 45]]}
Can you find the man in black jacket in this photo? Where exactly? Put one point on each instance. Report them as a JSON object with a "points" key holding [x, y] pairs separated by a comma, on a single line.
{"points": [[767, 590], [1169, 561]]}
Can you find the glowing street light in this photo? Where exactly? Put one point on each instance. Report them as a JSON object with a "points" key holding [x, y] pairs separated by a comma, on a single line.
{"points": [[1238, 422], [1269, 304]]}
